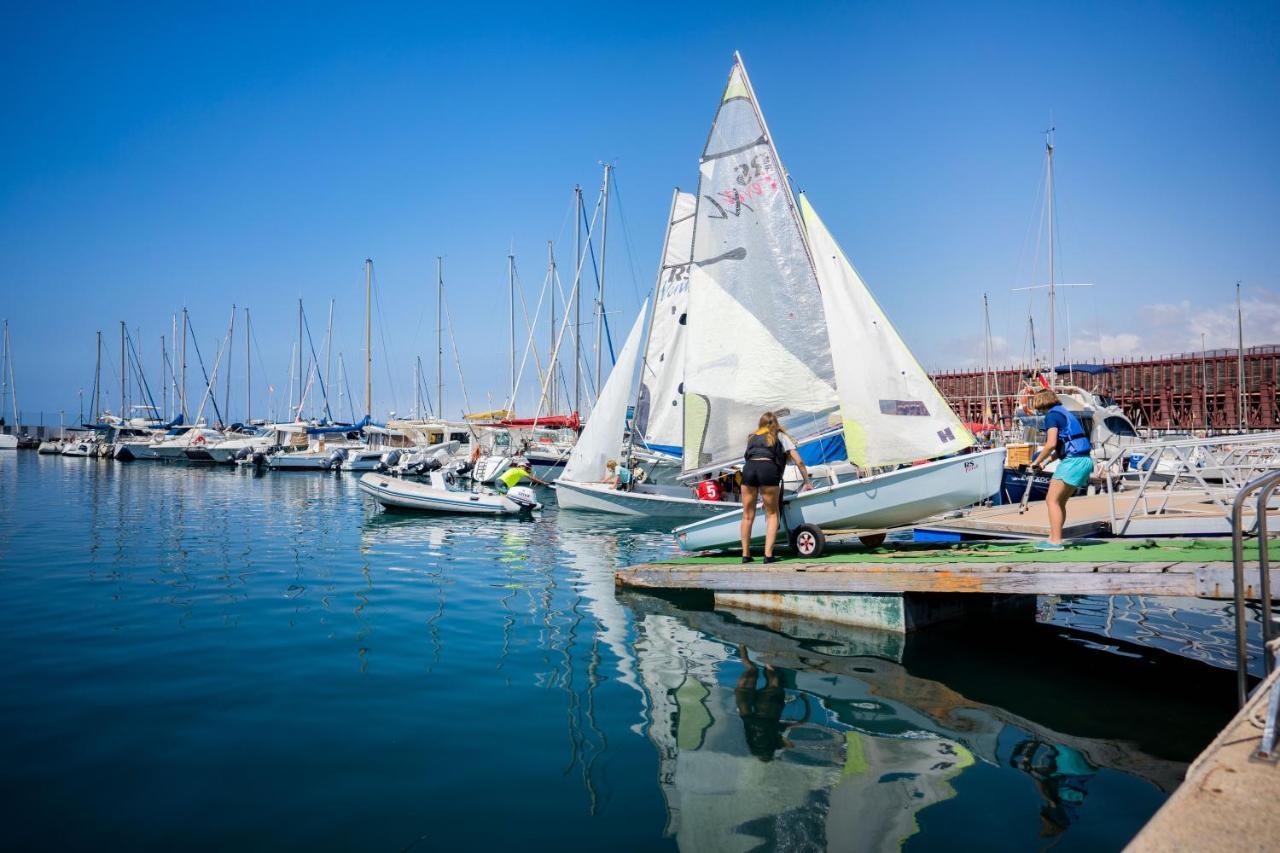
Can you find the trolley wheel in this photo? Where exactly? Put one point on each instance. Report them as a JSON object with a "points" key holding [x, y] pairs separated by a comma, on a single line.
{"points": [[808, 540], [872, 540]]}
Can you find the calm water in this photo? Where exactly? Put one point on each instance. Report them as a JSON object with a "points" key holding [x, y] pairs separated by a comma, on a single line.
{"points": [[205, 658]]}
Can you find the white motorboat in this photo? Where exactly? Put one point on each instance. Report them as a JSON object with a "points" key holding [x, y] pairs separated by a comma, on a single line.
{"points": [[490, 468], [175, 447], [8, 442], [548, 458], [641, 501], [437, 495], [83, 447], [878, 502]]}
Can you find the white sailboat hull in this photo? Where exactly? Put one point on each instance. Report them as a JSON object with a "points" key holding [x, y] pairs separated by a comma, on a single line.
{"points": [[406, 494], [883, 501], [645, 501], [8, 442]]}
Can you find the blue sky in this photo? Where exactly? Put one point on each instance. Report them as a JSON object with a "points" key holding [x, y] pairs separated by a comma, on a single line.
{"points": [[169, 155]]}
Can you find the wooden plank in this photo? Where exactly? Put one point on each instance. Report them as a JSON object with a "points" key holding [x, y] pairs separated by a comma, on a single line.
{"points": [[1150, 567], [1220, 583], [1021, 582]]}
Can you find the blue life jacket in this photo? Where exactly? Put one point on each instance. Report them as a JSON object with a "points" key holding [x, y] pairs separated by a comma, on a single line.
{"points": [[1075, 442]]}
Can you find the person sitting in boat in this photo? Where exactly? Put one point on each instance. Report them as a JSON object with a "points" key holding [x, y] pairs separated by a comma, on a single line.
{"points": [[1066, 440], [708, 489], [516, 474], [618, 476], [768, 449]]}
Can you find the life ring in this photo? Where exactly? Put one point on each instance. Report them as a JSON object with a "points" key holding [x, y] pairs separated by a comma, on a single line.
{"points": [[199, 439]]}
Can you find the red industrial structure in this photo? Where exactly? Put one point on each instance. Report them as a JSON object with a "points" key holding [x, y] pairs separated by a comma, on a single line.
{"points": [[1192, 391]]}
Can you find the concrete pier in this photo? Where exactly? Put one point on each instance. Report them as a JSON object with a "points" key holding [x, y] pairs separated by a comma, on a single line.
{"points": [[1228, 800]]}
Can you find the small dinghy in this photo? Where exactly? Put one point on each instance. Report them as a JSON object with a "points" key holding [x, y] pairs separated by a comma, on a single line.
{"points": [[438, 496]]}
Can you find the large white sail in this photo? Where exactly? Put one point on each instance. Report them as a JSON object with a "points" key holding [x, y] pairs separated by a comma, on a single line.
{"points": [[659, 417], [755, 339], [601, 440], [892, 411]]}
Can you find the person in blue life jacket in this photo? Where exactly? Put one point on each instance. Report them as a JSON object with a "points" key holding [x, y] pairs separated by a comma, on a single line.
{"points": [[765, 459], [1065, 439]]}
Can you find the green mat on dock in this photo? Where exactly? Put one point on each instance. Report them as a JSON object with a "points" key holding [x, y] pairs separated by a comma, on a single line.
{"points": [[1087, 551]]}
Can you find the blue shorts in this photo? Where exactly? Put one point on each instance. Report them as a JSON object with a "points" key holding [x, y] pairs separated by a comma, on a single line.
{"points": [[1074, 471]]}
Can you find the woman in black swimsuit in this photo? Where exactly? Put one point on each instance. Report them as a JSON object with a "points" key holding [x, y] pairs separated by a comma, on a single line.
{"points": [[766, 458]]}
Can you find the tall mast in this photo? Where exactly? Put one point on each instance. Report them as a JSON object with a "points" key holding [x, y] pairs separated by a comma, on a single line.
{"points": [[328, 353], [248, 369], [97, 380], [122, 370], [604, 245], [226, 394], [577, 298], [368, 338], [986, 371], [164, 387], [1053, 328], [183, 381], [439, 336], [511, 304], [300, 392], [1244, 420], [417, 389], [1204, 379], [555, 356]]}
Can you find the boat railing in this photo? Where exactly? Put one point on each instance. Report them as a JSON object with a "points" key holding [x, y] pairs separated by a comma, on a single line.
{"points": [[1265, 486], [1214, 469]]}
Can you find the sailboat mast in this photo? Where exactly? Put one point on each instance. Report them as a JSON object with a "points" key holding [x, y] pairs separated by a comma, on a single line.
{"points": [[97, 380], [1053, 328], [328, 351], [231, 337], [439, 336], [300, 392], [577, 298], [1243, 418], [511, 304], [183, 381], [555, 356], [604, 246], [122, 370], [417, 389], [248, 370], [986, 371], [368, 338]]}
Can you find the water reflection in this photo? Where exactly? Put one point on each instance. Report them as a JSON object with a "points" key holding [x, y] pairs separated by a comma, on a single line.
{"points": [[772, 729], [459, 663]]}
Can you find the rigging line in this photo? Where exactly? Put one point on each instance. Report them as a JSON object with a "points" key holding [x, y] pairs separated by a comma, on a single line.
{"points": [[382, 335], [528, 328], [529, 343], [195, 342], [457, 359], [324, 392], [626, 237], [262, 365], [140, 376]]}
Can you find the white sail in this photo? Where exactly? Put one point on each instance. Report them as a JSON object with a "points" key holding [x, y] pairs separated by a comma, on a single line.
{"points": [[755, 338], [601, 440], [892, 411], [659, 417]]}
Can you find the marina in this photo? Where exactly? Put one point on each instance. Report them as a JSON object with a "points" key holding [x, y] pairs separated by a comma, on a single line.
{"points": [[463, 431]]}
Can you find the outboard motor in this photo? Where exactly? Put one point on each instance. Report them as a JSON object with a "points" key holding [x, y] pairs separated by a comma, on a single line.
{"points": [[335, 459], [465, 468], [259, 459], [523, 497], [244, 453], [391, 458]]}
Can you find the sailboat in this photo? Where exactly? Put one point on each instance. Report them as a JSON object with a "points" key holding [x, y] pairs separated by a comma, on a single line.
{"points": [[810, 343], [657, 424], [8, 389]]}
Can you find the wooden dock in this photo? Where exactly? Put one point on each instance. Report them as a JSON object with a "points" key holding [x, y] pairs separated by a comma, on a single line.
{"points": [[1193, 580]]}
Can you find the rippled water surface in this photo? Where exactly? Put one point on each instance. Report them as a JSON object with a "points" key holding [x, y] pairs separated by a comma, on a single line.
{"points": [[207, 658]]}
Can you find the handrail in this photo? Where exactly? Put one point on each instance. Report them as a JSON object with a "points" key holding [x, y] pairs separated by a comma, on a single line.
{"points": [[1267, 483]]}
